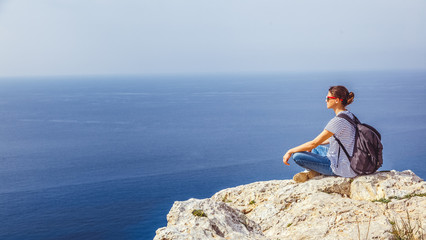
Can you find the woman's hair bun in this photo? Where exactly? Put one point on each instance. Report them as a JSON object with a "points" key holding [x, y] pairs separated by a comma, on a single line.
{"points": [[350, 98]]}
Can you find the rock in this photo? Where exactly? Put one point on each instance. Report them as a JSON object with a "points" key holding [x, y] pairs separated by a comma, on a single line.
{"points": [[386, 184], [321, 208], [217, 222]]}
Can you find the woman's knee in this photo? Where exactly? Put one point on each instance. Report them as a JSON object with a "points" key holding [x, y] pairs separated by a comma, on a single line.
{"points": [[297, 157]]}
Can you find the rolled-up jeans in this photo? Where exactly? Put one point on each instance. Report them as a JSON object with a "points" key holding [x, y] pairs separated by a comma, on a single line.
{"points": [[315, 160]]}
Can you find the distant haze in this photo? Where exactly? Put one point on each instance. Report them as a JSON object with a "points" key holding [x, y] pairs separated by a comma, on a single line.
{"points": [[101, 37]]}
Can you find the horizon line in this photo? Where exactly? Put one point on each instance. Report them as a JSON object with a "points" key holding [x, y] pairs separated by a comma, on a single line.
{"points": [[198, 74]]}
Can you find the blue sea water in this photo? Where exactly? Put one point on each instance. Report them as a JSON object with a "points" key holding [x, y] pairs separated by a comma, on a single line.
{"points": [[106, 157]]}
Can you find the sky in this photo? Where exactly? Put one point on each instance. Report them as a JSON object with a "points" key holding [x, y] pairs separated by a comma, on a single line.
{"points": [[138, 37]]}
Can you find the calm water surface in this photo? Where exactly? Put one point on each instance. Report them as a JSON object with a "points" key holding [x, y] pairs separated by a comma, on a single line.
{"points": [[105, 158]]}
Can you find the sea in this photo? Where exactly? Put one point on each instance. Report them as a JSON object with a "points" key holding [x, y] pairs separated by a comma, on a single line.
{"points": [[105, 157]]}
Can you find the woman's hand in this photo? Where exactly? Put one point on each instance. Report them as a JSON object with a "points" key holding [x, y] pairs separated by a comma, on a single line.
{"points": [[286, 158]]}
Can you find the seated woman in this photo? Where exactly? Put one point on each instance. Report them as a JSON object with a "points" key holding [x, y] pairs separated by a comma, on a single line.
{"points": [[319, 158]]}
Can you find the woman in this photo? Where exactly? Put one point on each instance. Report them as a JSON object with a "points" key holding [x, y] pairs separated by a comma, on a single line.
{"points": [[319, 158]]}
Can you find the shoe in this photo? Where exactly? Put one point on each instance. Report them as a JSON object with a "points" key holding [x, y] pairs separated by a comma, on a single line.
{"points": [[305, 176], [301, 177], [312, 174]]}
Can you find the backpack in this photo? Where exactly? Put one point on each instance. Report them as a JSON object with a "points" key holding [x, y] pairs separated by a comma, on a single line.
{"points": [[367, 156]]}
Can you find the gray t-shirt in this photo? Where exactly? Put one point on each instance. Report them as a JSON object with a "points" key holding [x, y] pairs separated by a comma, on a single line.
{"points": [[345, 132]]}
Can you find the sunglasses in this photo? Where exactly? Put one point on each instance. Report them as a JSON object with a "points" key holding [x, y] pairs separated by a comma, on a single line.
{"points": [[329, 97]]}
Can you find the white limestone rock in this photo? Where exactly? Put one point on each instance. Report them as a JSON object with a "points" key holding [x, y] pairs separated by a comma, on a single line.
{"points": [[386, 184], [215, 220], [321, 208]]}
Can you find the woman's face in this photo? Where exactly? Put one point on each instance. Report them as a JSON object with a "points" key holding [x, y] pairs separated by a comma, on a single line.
{"points": [[331, 102]]}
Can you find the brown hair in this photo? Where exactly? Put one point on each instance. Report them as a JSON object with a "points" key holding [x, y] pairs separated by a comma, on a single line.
{"points": [[342, 93]]}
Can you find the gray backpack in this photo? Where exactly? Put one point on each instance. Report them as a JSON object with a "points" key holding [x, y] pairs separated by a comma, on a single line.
{"points": [[367, 156]]}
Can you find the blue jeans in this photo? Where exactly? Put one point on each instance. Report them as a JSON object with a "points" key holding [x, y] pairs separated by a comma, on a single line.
{"points": [[315, 160]]}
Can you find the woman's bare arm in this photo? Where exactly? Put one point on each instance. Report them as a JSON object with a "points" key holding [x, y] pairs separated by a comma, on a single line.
{"points": [[308, 146]]}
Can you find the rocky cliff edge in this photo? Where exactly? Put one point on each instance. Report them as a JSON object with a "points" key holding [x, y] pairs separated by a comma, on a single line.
{"points": [[377, 206]]}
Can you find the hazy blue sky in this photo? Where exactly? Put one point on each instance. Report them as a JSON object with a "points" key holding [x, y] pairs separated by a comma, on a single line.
{"points": [[80, 37]]}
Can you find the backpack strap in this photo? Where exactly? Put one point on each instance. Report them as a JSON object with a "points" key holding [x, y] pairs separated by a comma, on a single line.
{"points": [[353, 122], [344, 149]]}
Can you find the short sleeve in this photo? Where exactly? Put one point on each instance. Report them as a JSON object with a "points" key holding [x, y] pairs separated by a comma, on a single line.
{"points": [[334, 125]]}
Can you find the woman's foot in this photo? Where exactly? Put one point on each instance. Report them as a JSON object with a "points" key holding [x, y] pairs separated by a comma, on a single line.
{"points": [[305, 176], [312, 174], [301, 177]]}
